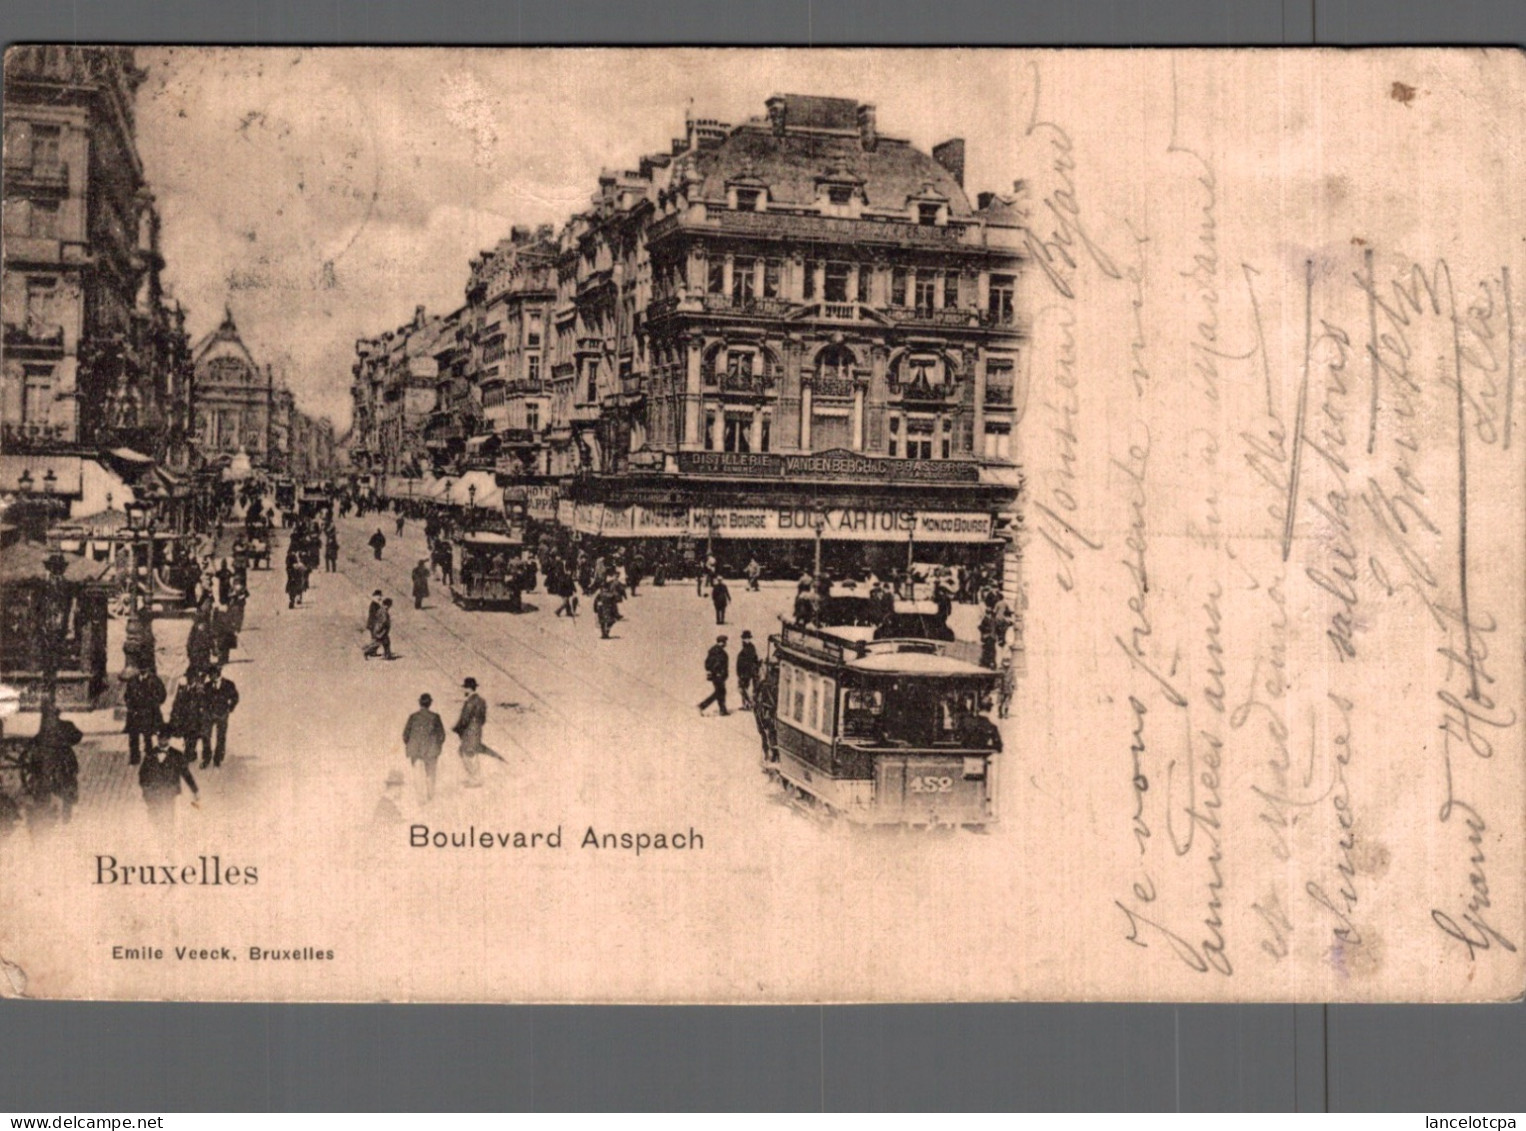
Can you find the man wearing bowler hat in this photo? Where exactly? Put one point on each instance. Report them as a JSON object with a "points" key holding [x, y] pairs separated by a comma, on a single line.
{"points": [[717, 670], [469, 728]]}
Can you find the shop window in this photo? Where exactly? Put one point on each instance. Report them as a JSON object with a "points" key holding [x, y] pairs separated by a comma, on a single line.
{"points": [[836, 289], [898, 286]]}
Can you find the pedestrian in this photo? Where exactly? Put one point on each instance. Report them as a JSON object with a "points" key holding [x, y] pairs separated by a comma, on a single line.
{"points": [[224, 636], [54, 768], [754, 573], [748, 667], [296, 579], [469, 729], [720, 597], [143, 696], [381, 631], [159, 778], [635, 571], [1008, 685], [199, 642], [331, 551], [420, 583], [188, 716], [401, 519], [220, 697], [224, 577], [423, 739], [236, 607], [377, 541], [717, 670]]}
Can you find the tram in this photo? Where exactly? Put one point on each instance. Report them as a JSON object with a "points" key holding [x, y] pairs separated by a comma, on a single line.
{"points": [[487, 570], [887, 731]]}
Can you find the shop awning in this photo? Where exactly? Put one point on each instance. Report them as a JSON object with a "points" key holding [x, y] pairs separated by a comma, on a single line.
{"points": [[127, 455], [478, 443]]}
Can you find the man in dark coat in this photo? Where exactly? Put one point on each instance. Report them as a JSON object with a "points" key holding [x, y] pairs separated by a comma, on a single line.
{"points": [[748, 666], [423, 739], [199, 642], [331, 551], [188, 715], [220, 697], [143, 696], [377, 541], [720, 597], [469, 727], [159, 779], [717, 671], [381, 629], [55, 768], [420, 583]]}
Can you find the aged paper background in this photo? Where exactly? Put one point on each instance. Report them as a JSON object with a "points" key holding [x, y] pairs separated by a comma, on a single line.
{"points": [[1268, 744]]}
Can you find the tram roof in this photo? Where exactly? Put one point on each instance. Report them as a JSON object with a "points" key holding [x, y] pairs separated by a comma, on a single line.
{"points": [[916, 663], [489, 538]]}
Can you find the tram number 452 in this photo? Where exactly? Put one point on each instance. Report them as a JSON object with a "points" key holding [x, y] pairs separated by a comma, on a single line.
{"points": [[930, 784]]}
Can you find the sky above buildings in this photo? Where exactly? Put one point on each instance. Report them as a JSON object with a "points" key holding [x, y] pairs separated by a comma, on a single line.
{"points": [[322, 194]]}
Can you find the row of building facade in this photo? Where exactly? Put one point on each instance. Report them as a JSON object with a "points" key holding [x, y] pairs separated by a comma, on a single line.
{"points": [[100, 379], [790, 325]]}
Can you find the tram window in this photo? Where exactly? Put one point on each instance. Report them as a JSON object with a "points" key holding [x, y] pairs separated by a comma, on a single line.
{"points": [[828, 706], [861, 714], [813, 721]]}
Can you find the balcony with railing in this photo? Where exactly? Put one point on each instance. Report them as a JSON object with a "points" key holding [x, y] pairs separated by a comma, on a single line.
{"points": [[833, 387]]}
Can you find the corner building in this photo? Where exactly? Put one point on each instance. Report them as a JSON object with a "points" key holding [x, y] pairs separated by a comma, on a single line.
{"points": [[790, 324]]}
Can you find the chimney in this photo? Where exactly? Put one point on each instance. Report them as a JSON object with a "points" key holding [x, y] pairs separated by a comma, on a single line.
{"points": [[951, 156], [867, 132], [776, 114]]}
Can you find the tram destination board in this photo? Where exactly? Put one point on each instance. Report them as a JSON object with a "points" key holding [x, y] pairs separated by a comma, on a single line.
{"points": [[908, 525]]}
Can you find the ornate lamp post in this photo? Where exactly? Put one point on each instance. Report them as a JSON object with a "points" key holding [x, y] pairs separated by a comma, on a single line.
{"points": [[138, 646]]}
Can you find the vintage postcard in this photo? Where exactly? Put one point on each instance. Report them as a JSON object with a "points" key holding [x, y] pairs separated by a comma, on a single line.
{"points": [[776, 526]]}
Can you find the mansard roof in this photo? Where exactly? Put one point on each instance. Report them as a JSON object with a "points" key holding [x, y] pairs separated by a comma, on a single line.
{"points": [[822, 141]]}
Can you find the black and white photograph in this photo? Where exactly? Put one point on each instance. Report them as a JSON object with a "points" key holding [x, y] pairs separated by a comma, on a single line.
{"points": [[761, 525]]}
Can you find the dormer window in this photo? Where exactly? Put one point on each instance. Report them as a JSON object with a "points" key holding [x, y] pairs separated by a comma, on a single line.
{"points": [[927, 214], [748, 200], [840, 194]]}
